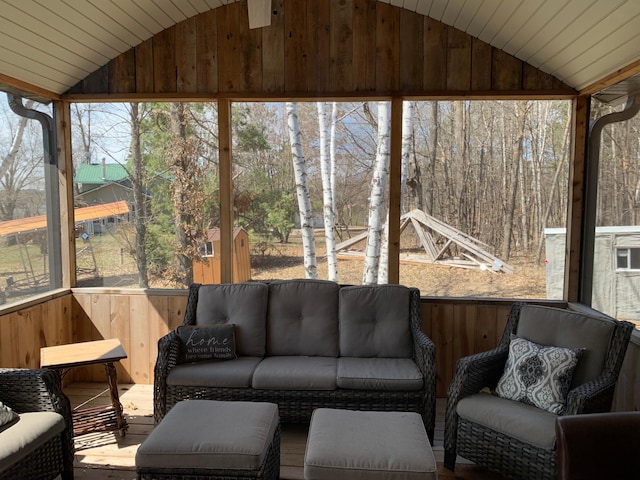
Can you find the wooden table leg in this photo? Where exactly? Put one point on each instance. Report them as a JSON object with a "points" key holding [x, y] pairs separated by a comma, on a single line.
{"points": [[112, 379]]}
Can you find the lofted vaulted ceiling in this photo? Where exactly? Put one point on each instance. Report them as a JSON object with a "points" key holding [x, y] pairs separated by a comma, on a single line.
{"points": [[53, 44]]}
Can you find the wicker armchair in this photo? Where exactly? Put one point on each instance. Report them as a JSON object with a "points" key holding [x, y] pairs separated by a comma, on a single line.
{"points": [[528, 451], [39, 391]]}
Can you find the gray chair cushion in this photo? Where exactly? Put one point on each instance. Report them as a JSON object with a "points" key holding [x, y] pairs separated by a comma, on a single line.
{"points": [[243, 304], [523, 422], [378, 374], [296, 373], [564, 328], [215, 373], [210, 434], [30, 432], [300, 313], [348, 445], [375, 322]]}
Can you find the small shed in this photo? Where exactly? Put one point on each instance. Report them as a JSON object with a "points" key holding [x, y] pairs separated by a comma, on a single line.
{"points": [[616, 269], [209, 271]]}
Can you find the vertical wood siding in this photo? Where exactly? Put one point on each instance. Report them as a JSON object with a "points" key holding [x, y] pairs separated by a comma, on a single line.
{"points": [[316, 47], [139, 318]]}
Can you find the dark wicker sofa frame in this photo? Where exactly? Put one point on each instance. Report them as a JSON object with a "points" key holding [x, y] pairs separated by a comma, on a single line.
{"points": [[39, 391], [515, 459], [296, 406]]}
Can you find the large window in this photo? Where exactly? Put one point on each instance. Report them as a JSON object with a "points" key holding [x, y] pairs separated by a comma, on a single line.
{"points": [[484, 200], [482, 197], [145, 185], [616, 259], [30, 259]]}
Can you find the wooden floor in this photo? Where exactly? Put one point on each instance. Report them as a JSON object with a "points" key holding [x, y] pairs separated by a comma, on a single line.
{"points": [[109, 456]]}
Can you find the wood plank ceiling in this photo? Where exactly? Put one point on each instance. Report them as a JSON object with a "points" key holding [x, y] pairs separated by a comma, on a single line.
{"points": [[53, 44]]}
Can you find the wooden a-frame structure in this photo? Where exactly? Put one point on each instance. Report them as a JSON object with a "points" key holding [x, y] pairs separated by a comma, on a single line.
{"points": [[442, 243]]}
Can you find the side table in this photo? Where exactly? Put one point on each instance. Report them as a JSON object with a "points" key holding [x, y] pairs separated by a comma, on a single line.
{"points": [[63, 358]]}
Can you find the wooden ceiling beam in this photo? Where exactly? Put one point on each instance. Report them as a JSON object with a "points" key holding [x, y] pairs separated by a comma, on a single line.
{"points": [[613, 78]]}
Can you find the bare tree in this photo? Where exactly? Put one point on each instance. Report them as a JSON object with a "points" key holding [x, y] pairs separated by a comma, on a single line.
{"points": [[377, 205], [302, 191], [327, 191], [138, 180]]}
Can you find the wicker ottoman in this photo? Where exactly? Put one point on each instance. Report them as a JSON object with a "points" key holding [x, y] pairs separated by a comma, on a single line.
{"points": [[207, 439], [345, 444]]}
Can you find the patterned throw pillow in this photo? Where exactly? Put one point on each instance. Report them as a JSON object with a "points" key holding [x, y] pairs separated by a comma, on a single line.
{"points": [[538, 375], [207, 343], [7, 416]]}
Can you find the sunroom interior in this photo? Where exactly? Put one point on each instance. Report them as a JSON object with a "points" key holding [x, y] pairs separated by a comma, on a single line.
{"points": [[225, 52]]}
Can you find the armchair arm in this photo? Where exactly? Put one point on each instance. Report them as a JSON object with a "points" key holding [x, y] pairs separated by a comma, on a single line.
{"points": [[613, 454], [473, 373], [168, 349], [27, 390], [424, 354], [591, 397]]}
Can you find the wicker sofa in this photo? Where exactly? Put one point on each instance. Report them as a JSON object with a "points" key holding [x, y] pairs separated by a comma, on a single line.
{"points": [[305, 344], [39, 444]]}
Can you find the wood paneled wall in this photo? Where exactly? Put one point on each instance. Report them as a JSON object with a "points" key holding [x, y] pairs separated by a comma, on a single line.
{"points": [[314, 48], [458, 327], [40, 323]]}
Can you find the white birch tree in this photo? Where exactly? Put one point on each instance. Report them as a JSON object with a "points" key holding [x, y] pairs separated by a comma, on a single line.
{"points": [[332, 154], [377, 205], [302, 191], [407, 143], [327, 191]]}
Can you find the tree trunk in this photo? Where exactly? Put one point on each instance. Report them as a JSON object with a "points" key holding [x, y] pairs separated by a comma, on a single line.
{"points": [[182, 219], [140, 205], [515, 173], [327, 192], [377, 199], [407, 143], [302, 191]]}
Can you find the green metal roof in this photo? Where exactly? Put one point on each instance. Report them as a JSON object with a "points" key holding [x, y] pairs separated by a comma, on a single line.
{"points": [[99, 174]]}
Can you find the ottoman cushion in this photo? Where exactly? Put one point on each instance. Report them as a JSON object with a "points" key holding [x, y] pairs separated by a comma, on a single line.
{"points": [[209, 434], [355, 445]]}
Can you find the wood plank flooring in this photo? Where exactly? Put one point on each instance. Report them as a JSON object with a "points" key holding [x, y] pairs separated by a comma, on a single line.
{"points": [[109, 456]]}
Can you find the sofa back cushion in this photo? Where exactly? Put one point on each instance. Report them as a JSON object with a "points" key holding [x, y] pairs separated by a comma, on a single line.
{"points": [[302, 318], [243, 304], [375, 321], [563, 328]]}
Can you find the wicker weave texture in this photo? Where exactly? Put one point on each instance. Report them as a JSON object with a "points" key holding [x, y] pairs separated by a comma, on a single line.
{"points": [[39, 391], [509, 456], [269, 470], [296, 406]]}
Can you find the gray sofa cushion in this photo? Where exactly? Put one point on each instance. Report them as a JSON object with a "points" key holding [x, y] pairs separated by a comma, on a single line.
{"points": [[243, 304], [215, 373], [30, 432], [300, 314], [375, 322], [564, 328], [378, 374], [523, 422], [296, 373], [211, 434]]}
